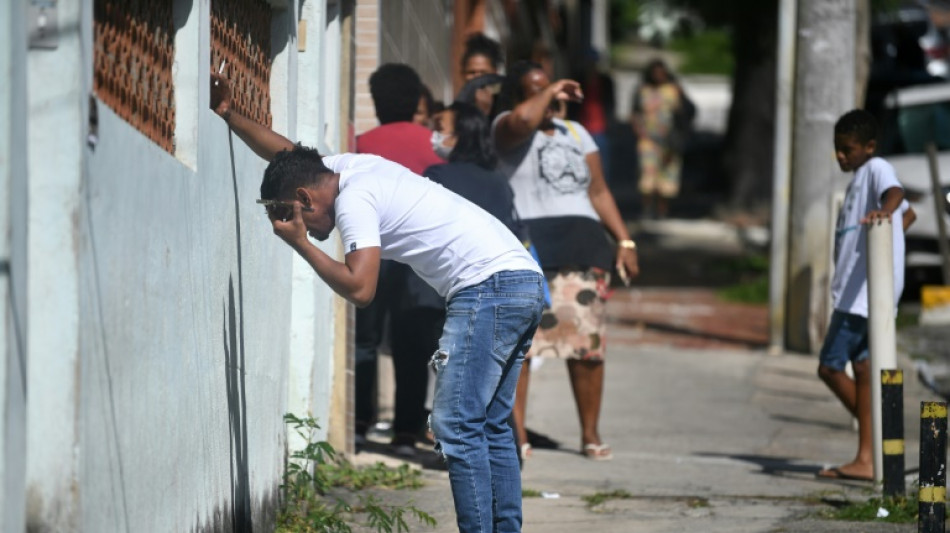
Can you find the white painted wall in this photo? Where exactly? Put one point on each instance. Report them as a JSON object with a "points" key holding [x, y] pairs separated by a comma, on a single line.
{"points": [[162, 310], [54, 167], [12, 267]]}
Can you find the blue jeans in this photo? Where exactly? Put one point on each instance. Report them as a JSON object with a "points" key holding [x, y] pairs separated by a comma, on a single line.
{"points": [[488, 329], [846, 340]]}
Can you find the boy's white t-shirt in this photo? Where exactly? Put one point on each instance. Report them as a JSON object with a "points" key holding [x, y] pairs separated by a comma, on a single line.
{"points": [[849, 285], [549, 173], [448, 241]]}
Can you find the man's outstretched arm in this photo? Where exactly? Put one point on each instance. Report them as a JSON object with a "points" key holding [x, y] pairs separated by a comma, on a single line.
{"points": [[264, 142]]}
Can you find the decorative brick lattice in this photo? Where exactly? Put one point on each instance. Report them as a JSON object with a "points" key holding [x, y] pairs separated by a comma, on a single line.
{"points": [[240, 35], [134, 50]]}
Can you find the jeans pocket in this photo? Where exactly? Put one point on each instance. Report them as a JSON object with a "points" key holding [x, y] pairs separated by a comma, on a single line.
{"points": [[511, 323]]}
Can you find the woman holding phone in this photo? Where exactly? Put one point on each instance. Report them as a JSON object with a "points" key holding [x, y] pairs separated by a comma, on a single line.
{"points": [[555, 171]]}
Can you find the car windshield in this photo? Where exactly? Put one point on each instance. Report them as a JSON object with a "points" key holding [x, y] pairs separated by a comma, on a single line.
{"points": [[914, 118]]}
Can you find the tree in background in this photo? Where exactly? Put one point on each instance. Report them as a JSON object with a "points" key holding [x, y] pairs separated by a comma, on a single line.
{"points": [[753, 28]]}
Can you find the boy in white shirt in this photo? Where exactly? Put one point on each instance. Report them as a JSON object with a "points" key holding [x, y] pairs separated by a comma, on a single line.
{"points": [[492, 287], [873, 195]]}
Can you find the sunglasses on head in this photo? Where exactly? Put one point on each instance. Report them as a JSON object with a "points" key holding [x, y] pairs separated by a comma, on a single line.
{"points": [[281, 209]]}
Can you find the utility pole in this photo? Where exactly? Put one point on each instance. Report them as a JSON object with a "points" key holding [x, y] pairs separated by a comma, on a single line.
{"points": [[784, 116], [824, 89]]}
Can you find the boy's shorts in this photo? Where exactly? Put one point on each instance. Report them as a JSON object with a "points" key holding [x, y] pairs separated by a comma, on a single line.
{"points": [[847, 340]]}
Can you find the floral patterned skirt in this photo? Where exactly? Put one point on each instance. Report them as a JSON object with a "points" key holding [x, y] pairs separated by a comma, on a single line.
{"points": [[575, 326]]}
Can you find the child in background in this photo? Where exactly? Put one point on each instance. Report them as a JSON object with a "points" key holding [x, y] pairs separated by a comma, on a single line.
{"points": [[873, 195]]}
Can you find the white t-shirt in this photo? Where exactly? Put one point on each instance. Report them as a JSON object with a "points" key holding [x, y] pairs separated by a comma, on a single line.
{"points": [[448, 241], [849, 286], [548, 173]]}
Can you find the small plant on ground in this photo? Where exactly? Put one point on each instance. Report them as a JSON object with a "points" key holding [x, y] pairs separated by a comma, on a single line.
{"points": [[530, 493], [593, 500], [317, 469], [900, 510]]}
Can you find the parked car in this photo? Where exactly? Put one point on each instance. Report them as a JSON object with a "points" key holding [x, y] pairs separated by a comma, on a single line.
{"points": [[913, 118], [905, 37]]}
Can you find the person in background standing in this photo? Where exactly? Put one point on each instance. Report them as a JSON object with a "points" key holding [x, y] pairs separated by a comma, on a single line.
{"points": [[482, 57], [397, 93], [662, 115], [596, 111], [554, 169]]}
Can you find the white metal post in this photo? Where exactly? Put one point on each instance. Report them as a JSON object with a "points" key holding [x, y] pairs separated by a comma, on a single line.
{"points": [[881, 328], [785, 102]]}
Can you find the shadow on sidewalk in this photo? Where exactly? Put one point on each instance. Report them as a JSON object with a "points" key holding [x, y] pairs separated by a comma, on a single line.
{"points": [[773, 466]]}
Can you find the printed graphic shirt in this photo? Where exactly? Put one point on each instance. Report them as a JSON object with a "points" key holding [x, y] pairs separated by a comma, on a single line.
{"points": [[849, 285], [548, 173]]}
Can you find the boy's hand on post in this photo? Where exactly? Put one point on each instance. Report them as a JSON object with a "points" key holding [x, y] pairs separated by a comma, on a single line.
{"points": [[878, 216], [292, 231], [220, 95]]}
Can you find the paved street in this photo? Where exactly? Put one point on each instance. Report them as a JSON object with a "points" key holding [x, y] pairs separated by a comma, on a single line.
{"points": [[703, 439], [709, 433]]}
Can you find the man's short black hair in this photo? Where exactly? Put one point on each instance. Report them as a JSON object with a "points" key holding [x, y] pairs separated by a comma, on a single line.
{"points": [[300, 167], [478, 44], [859, 124], [396, 90]]}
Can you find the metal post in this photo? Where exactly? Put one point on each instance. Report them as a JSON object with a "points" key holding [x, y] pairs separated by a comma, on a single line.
{"points": [[892, 431], [784, 106], [939, 211], [932, 505], [881, 335]]}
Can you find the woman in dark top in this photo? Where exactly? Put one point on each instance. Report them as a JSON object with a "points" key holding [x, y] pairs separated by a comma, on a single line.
{"points": [[461, 137]]}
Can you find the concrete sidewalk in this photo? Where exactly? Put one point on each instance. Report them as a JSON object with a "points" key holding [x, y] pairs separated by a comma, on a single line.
{"points": [[725, 440]]}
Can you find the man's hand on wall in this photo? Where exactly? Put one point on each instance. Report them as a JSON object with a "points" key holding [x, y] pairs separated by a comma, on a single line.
{"points": [[220, 95]]}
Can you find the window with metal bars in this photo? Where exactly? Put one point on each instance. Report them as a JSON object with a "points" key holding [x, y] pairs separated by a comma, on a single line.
{"points": [[240, 39], [134, 50]]}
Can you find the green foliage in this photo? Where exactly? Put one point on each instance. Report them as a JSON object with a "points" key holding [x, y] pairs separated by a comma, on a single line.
{"points": [[593, 500], [907, 318], [317, 469], [623, 18], [754, 291], [706, 52], [344, 474], [530, 493], [901, 510], [753, 272]]}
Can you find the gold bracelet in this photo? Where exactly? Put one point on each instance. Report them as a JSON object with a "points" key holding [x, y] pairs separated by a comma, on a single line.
{"points": [[628, 244]]}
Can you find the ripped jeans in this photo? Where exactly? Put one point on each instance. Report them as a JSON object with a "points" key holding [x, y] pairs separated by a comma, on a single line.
{"points": [[488, 330]]}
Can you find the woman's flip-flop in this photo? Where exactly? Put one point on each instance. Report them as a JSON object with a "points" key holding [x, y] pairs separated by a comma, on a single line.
{"points": [[598, 452]]}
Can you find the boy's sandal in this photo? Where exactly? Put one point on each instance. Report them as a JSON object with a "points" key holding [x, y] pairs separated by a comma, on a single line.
{"points": [[598, 452]]}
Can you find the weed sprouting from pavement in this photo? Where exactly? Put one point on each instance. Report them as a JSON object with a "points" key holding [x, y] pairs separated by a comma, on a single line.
{"points": [[593, 500], [530, 493], [317, 469]]}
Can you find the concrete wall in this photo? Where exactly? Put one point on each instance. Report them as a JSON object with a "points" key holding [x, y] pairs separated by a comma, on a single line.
{"points": [[12, 267], [166, 331]]}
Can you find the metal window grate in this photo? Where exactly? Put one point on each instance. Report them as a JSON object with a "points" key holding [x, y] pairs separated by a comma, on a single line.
{"points": [[134, 51], [240, 35]]}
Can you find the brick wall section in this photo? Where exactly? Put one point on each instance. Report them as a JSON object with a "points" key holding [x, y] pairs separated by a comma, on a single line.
{"points": [[367, 59]]}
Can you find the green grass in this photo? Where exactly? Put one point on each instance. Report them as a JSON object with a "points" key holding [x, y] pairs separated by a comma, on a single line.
{"points": [[902, 510], [753, 271], [593, 500], [707, 52], [906, 318], [314, 471], [344, 474]]}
